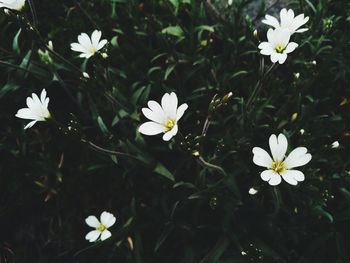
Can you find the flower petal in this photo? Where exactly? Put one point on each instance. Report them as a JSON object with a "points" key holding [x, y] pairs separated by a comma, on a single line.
{"points": [[271, 21], [93, 235], [291, 47], [30, 125], [261, 157], [153, 115], [107, 219], [95, 38], [278, 146], [26, 113], [293, 176], [92, 221], [180, 111], [298, 157], [105, 234], [271, 177], [282, 58], [151, 128]]}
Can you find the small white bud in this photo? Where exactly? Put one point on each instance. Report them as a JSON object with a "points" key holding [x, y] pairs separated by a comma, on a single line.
{"points": [[50, 45], [302, 131], [314, 62], [255, 33], [86, 75], [104, 55], [253, 191], [297, 75], [335, 144]]}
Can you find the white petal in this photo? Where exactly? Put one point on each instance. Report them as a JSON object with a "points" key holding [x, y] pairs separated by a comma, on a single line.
{"points": [[95, 38], [105, 234], [293, 176], [180, 111], [271, 177], [278, 146], [298, 157], [43, 96], [166, 105], [270, 35], [167, 136], [301, 30], [102, 44], [271, 21], [266, 48], [291, 47], [92, 236], [149, 114], [281, 36], [172, 105], [30, 125], [282, 58], [157, 109], [107, 219], [274, 57], [261, 157], [26, 113], [151, 128], [85, 40], [92, 221], [77, 47]]}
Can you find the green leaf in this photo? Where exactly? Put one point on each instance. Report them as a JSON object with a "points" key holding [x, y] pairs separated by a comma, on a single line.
{"points": [[15, 45], [174, 31], [162, 170], [102, 125]]}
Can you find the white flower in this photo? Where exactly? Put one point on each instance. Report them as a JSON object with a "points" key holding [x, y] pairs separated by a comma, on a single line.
{"points": [[88, 47], [164, 118], [288, 21], [279, 165], [229, 2], [13, 4], [278, 45], [37, 109], [101, 227], [335, 144], [253, 191]]}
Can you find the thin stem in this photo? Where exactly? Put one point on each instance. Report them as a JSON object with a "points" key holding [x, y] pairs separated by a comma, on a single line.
{"points": [[211, 166], [259, 85], [43, 43], [106, 151]]}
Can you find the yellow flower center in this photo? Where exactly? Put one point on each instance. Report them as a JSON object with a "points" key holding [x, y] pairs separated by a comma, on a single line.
{"points": [[101, 228], [280, 48], [169, 124], [278, 167], [93, 50]]}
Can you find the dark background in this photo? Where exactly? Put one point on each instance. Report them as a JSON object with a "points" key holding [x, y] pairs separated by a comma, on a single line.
{"points": [[169, 208]]}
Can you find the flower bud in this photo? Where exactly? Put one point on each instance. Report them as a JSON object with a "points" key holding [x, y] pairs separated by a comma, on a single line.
{"points": [[86, 75], [335, 145]]}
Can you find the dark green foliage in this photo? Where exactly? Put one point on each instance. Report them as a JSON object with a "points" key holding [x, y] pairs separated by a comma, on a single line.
{"points": [[172, 201]]}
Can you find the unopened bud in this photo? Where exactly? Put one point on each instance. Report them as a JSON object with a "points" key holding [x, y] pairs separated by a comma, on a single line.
{"points": [[255, 33], [253, 191], [302, 131], [104, 55], [314, 62], [294, 116], [335, 144], [297, 75], [86, 75]]}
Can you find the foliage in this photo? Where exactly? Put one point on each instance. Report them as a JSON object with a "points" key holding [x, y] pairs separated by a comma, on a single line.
{"points": [[173, 201]]}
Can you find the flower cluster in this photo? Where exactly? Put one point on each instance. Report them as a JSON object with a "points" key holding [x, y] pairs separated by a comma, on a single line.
{"points": [[278, 43], [164, 117]]}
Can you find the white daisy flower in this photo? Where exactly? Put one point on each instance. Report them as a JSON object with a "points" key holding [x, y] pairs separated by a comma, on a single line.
{"points": [[288, 21], [89, 46], [164, 118], [279, 165], [13, 4], [278, 45], [101, 227], [37, 109]]}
